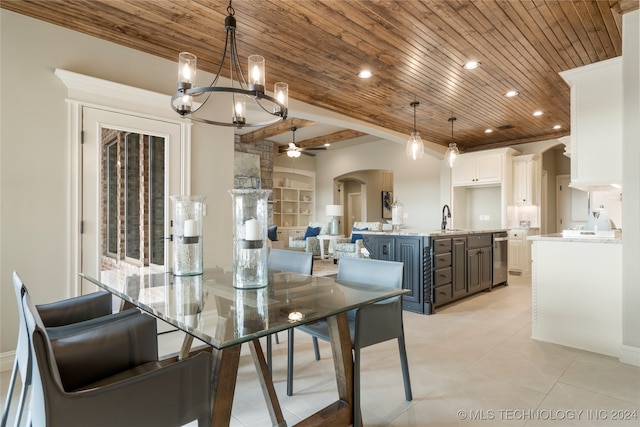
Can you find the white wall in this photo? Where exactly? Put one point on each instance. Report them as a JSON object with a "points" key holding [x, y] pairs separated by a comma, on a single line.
{"points": [[416, 183], [630, 180], [35, 157]]}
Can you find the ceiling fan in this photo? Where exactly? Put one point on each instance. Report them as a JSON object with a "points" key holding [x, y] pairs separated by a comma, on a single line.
{"points": [[294, 151]]}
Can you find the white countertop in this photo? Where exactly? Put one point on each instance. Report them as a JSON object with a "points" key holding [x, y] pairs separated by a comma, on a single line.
{"points": [[432, 233], [558, 238]]}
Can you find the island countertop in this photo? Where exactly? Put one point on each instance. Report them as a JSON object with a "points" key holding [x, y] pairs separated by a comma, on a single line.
{"points": [[430, 233], [558, 237]]}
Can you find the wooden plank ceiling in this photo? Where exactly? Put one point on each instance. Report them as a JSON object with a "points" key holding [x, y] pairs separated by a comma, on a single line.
{"points": [[415, 50]]}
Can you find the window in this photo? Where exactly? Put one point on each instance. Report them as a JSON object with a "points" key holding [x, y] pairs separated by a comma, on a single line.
{"points": [[134, 197]]}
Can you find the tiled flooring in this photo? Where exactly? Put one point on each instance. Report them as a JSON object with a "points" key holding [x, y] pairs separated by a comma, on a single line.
{"points": [[472, 364]]}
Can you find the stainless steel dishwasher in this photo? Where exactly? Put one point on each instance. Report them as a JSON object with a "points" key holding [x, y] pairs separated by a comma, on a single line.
{"points": [[500, 265]]}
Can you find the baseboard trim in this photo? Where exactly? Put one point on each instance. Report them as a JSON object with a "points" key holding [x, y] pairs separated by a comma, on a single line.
{"points": [[6, 361], [630, 355]]}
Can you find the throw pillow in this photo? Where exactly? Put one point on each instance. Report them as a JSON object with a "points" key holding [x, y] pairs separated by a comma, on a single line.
{"points": [[272, 233], [311, 232], [355, 236]]}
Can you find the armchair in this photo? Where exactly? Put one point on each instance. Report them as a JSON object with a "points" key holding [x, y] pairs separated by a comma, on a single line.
{"points": [[310, 244], [110, 376], [350, 247]]}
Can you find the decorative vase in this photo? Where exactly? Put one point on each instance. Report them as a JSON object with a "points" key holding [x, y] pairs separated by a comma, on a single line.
{"points": [[397, 215], [250, 250], [187, 235]]}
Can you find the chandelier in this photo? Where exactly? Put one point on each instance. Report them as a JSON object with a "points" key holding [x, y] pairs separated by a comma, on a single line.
{"points": [[452, 152], [240, 90], [415, 147]]}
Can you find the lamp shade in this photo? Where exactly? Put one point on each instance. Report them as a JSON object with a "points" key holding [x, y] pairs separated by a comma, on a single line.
{"points": [[335, 210]]}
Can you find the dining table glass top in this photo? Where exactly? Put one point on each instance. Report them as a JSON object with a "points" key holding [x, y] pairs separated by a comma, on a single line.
{"points": [[208, 307]]}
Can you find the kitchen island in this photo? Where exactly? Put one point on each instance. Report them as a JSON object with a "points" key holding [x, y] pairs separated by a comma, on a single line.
{"points": [[439, 267], [577, 292]]}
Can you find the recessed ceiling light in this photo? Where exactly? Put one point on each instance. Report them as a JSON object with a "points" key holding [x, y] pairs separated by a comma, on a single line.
{"points": [[537, 113], [556, 127], [365, 74], [511, 93], [471, 65], [488, 130], [327, 145]]}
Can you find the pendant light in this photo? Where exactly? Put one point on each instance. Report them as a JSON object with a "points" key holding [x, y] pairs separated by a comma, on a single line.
{"points": [[452, 151], [415, 147]]}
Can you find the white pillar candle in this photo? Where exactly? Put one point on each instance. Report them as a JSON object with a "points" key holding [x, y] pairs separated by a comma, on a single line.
{"points": [[252, 229], [190, 228]]}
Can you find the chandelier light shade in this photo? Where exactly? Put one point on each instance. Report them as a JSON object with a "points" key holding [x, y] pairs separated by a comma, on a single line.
{"points": [[415, 147], [240, 89], [452, 152]]}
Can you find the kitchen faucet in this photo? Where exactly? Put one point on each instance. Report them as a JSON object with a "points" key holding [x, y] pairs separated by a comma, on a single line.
{"points": [[445, 216]]}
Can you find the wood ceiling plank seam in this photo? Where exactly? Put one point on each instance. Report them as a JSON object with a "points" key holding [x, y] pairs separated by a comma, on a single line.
{"points": [[557, 36], [532, 22], [611, 39], [559, 88], [457, 95], [580, 55], [596, 29], [501, 101], [614, 30], [576, 24], [502, 45], [591, 30], [533, 90]]}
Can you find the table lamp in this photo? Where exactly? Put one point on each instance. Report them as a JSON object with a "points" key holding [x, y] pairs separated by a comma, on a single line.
{"points": [[334, 211]]}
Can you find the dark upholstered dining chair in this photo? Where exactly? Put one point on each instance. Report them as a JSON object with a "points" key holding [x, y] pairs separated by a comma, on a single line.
{"points": [[292, 262], [370, 324], [111, 376], [62, 318]]}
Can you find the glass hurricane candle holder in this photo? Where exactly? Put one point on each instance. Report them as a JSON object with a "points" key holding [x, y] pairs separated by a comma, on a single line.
{"points": [[250, 250], [187, 235]]}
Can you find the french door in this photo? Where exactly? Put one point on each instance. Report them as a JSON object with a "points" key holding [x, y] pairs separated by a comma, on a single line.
{"points": [[130, 167]]}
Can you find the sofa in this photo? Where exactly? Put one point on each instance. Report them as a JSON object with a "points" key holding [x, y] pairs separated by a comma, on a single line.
{"points": [[351, 247], [310, 244]]}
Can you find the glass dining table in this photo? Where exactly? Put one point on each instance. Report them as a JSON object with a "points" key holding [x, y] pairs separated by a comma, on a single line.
{"points": [[208, 308]]}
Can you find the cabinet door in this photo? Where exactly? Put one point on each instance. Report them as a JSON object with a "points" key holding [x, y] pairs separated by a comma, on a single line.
{"points": [[489, 168], [473, 270], [464, 171], [486, 268], [408, 251], [380, 247], [458, 267], [521, 195], [515, 250]]}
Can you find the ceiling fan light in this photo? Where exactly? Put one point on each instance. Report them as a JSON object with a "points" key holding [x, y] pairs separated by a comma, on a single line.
{"points": [[451, 154], [415, 146]]}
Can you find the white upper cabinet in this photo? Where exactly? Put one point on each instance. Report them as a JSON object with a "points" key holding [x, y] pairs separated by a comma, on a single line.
{"points": [[526, 180], [479, 168], [596, 124]]}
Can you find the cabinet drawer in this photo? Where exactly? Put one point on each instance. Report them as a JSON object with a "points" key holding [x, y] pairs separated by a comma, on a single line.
{"points": [[442, 276], [442, 260], [441, 245], [479, 241], [442, 294]]}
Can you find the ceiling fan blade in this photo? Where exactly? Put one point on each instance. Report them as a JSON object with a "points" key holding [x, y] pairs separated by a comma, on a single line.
{"points": [[315, 148], [308, 154]]}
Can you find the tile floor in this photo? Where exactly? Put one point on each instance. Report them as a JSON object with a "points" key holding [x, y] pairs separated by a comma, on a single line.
{"points": [[471, 364]]}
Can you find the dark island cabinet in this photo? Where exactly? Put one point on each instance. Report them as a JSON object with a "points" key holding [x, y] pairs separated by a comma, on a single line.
{"points": [[410, 251], [438, 269]]}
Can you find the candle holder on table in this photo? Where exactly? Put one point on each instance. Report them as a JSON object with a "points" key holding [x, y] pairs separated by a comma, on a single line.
{"points": [[187, 235], [250, 248]]}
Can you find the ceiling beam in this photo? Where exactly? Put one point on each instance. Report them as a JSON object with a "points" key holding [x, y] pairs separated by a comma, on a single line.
{"points": [[330, 138], [275, 129]]}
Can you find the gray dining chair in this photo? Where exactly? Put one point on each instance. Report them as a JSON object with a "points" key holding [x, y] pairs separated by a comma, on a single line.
{"points": [[62, 318], [369, 325], [111, 376], [292, 262]]}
